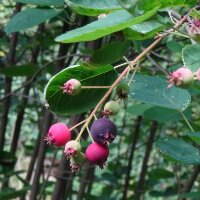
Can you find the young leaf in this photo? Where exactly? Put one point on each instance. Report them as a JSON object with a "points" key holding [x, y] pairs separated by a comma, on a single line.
{"points": [[154, 91], [88, 75], [94, 7], [178, 150], [110, 24], [29, 18], [191, 57]]}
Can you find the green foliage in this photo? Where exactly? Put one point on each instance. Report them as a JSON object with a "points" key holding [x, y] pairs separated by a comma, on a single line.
{"points": [[93, 8], [110, 53], [110, 24], [178, 150], [191, 57], [43, 2], [23, 70], [29, 18], [88, 75], [154, 91]]}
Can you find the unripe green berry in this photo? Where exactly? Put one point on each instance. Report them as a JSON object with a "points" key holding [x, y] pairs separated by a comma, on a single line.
{"points": [[111, 108], [122, 90]]}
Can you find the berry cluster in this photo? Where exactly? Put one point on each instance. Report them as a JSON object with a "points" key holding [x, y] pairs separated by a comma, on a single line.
{"points": [[102, 132]]}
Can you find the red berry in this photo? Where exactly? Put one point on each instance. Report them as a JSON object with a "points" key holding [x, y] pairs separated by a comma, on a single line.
{"points": [[103, 131], [58, 134], [97, 154]]}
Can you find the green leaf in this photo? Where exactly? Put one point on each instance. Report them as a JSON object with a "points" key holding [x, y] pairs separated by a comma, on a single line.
{"points": [[178, 150], [87, 99], [161, 114], [154, 91], [191, 57], [110, 24], [94, 7], [22, 70], [29, 18], [110, 53], [11, 193], [143, 30], [138, 109], [190, 195], [160, 173], [137, 7], [43, 2], [195, 137]]}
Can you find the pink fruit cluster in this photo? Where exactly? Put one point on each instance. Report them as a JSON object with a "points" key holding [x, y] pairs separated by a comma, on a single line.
{"points": [[183, 77], [103, 132]]}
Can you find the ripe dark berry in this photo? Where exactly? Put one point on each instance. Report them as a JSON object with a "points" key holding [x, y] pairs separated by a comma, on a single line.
{"points": [[58, 134], [72, 148], [97, 154], [103, 131]]}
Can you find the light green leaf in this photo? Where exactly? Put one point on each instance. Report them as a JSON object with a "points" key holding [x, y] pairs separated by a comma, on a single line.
{"points": [[191, 57], [29, 18], [88, 75], [94, 7], [110, 24], [43, 2], [154, 91], [179, 150]]}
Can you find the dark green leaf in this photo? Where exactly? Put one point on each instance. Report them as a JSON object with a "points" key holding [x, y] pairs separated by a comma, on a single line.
{"points": [[160, 173], [154, 91], [110, 24], [191, 57], [110, 53], [93, 8], [89, 76], [29, 18], [190, 195], [43, 2], [23, 70], [179, 150]]}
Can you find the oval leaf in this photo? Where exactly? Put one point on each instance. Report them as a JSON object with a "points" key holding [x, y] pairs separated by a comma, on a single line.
{"points": [[179, 150], [87, 98], [29, 18], [154, 91], [110, 24]]}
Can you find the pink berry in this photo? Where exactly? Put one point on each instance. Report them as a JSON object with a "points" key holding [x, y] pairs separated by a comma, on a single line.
{"points": [[58, 134], [72, 87], [182, 77], [72, 148], [97, 154]]}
